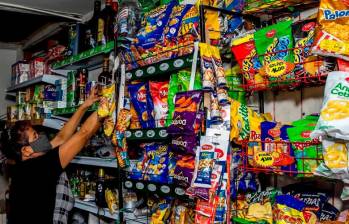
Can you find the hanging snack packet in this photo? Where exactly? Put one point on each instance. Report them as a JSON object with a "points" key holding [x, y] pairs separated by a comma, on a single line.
{"points": [[186, 107], [183, 173], [218, 67], [184, 81], [107, 101], [328, 213], [172, 90], [134, 124], [184, 144], [208, 80], [162, 213], [245, 54], [206, 159], [273, 44], [215, 109], [334, 115], [331, 38], [335, 156], [204, 193], [240, 125], [172, 160], [159, 93], [190, 22], [175, 21], [273, 136], [307, 152], [288, 210], [157, 169], [153, 25], [142, 103], [137, 167], [222, 95]]}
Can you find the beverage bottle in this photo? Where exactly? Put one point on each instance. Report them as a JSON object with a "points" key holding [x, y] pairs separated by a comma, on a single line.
{"points": [[106, 24], [105, 78], [91, 31], [82, 186], [100, 189]]}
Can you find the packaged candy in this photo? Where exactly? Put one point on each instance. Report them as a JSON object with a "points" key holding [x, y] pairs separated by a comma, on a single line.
{"points": [[334, 115], [245, 53], [212, 24], [215, 109], [288, 210], [184, 144], [186, 107], [172, 90], [304, 146], [218, 67], [142, 103], [331, 38], [183, 173], [208, 80], [153, 25], [107, 101], [272, 45], [328, 213], [206, 158], [172, 29], [240, 125], [159, 93], [272, 136], [157, 169]]}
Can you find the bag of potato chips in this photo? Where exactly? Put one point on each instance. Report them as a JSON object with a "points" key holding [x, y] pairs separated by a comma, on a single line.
{"points": [[331, 38], [334, 116]]}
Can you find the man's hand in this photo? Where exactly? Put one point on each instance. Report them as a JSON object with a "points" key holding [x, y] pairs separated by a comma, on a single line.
{"points": [[92, 98]]}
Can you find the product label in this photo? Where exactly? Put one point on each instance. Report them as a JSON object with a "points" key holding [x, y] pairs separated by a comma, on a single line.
{"points": [[100, 35], [341, 90], [333, 15], [263, 159]]}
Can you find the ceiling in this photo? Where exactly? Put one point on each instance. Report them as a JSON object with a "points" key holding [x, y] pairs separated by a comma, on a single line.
{"points": [[72, 6]]}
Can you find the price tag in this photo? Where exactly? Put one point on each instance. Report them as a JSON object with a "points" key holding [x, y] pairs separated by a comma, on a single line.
{"points": [[276, 68], [263, 159]]}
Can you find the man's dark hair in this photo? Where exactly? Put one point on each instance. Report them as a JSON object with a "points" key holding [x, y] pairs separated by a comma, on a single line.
{"points": [[18, 138]]}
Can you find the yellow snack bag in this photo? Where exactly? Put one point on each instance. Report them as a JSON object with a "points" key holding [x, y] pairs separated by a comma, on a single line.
{"points": [[335, 155], [107, 101], [331, 37], [240, 125]]}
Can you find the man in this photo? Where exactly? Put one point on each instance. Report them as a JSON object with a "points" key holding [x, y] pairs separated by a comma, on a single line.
{"points": [[33, 186]]}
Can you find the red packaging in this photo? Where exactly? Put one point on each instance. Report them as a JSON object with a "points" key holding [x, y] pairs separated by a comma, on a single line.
{"points": [[159, 93], [37, 67], [343, 65]]}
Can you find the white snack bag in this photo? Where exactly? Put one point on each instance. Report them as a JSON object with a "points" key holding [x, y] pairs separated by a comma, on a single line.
{"points": [[334, 116]]}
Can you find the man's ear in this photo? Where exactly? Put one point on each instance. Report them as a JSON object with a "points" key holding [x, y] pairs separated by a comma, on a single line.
{"points": [[26, 151]]}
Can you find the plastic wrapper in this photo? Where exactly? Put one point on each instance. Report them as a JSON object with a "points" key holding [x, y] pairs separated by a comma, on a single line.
{"points": [[218, 67], [174, 24], [331, 38], [186, 107], [215, 109], [184, 143], [208, 79], [110, 197], [240, 125], [172, 91], [272, 45], [334, 116], [288, 210], [162, 213], [141, 100], [335, 155], [328, 213], [157, 168], [159, 94], [183, 173], [184, 80], [190, 22], [107, 101]]}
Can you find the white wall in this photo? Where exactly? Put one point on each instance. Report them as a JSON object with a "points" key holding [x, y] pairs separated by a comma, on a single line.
{"points": [[7, 58]]}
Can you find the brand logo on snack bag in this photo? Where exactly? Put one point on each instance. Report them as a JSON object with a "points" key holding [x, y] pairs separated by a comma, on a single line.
{"points": [[142, 95], [271, 33], [219, 153], [163, 92], [341, 90], [288, 215], [206, 147], [274, 132], [306, 134], [333, 15], [309, 26]]}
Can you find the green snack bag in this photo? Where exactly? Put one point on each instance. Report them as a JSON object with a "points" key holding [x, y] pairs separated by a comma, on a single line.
{"points": [[234, 79], [184, 81], [305, 147], [172, 90], [273, 44], [308, 120]]}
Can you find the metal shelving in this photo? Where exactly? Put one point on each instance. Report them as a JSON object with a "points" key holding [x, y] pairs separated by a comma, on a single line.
{"points": [[48, 79], [94, 161], [91, 207]]}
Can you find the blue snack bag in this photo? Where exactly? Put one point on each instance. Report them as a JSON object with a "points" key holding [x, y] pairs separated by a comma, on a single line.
{"points": [[175, 21], [206, 159], [157, 169], [136, 167], [327, 213], [143, 104]]}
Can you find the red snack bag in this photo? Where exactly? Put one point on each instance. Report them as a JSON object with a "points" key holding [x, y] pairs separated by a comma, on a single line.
{"points": [[159, 93]]}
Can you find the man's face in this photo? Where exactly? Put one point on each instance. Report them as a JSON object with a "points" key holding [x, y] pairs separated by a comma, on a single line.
{"points": [[27, 151], [32, 134]]}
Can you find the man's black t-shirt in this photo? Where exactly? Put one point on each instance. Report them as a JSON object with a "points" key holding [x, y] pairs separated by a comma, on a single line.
{"points": [[33, 189]]}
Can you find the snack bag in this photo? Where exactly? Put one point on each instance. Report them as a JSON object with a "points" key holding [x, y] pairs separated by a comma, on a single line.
{"points": [[240, 125], [184, 144], [153, 25], [215, 109], [205, 158], [218, 67], [186, 107], [272, 45], [134, 124], [304, 146], [273, 135], [107, 102], [331, 38], [175, 21], [159, 93], [245, 53], [208, 79], [334, 116], [172, 90], [162, 213], [288, 210], [137, 167], [328, 213], [184, 81], [141, 100], [157, 169], [183, 173], [335, 156], [171, 166], [190, 22]]}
